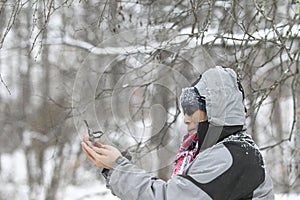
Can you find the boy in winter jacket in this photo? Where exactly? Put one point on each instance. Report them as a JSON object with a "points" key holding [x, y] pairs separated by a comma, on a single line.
{"points": [[217, 159]]}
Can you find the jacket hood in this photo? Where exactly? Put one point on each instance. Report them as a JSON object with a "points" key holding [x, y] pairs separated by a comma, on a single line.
{"points": [[224, 100]]}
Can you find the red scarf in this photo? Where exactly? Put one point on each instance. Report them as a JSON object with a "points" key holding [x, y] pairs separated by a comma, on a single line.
{"points": [[187, 152]]}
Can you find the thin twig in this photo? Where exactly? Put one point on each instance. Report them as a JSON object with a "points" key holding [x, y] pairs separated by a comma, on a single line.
{"points": [[2, 81], [274, 145]]}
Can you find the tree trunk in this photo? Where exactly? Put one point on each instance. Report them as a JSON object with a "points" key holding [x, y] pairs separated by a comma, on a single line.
{"points": [[56, 177], [279, 135], [251, 107], [296, 157], [159, 127]]}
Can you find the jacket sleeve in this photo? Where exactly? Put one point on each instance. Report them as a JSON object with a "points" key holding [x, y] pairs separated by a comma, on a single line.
{"points": [[129, 182]]}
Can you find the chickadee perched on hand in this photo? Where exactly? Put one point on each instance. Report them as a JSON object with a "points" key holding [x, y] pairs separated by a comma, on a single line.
{"points": [[94, 136]]}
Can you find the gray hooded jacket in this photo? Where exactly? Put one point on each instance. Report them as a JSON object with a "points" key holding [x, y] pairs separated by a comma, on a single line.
{"points": [[229, 165]]}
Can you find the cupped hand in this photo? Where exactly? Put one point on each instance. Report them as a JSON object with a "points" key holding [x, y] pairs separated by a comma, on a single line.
{"points": [[101, 155]]}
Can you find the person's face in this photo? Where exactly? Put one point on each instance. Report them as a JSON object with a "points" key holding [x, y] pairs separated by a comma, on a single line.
{"points": [[192, 120]]}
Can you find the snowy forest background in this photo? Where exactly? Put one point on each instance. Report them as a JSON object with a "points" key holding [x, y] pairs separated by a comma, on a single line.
{"points": [[121, 65]]}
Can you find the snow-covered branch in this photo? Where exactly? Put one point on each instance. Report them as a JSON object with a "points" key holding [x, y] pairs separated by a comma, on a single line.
{"points": [[183, 37]]}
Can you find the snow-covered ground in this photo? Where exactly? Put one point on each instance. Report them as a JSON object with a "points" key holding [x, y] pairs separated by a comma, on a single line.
{"points": [[92, 192], [287, 196]]}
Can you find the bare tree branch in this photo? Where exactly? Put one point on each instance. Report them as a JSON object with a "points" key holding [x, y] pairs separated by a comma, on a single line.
{"points": [[2, 81]]}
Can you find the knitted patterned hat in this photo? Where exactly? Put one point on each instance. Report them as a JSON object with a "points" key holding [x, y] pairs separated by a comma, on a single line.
{"points": [[191, 101]]}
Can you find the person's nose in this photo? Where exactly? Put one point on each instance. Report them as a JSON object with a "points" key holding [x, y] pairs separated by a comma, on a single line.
{"points": [[187, 119]]}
